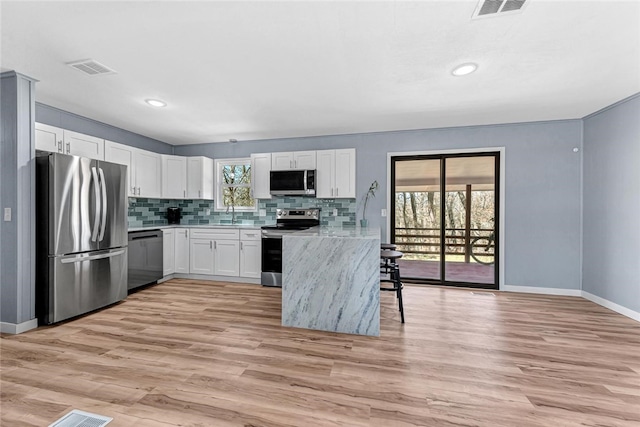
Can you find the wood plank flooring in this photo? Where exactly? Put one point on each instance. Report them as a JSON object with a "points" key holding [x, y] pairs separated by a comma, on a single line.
{"points": [[195, 353]]}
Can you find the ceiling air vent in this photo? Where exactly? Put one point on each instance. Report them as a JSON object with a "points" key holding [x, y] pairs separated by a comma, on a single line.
{"points": [[91, 67], [487, 8]]}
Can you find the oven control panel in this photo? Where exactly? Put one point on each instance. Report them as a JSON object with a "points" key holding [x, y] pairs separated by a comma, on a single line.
{"points": [[311, 213]]}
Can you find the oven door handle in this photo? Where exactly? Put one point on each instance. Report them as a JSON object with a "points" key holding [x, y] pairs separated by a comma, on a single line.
{"points": [[271, 237]]}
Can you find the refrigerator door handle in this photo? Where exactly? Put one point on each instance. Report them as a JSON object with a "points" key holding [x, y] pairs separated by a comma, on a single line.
{"points": [[103, 186], [81, 258], [96, 192]]}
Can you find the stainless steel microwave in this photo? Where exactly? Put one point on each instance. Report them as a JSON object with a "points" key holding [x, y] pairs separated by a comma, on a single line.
{"points": [[293, 183]]}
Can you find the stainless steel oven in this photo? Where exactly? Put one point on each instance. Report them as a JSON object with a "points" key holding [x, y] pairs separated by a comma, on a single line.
{"points": [[287, 221]]}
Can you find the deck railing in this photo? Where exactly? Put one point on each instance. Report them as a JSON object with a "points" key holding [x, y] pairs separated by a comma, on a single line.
{"points": [[426, 241]]}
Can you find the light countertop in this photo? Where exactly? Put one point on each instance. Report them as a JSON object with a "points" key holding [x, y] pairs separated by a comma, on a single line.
{"points": [[232, 226], [353, 232]]}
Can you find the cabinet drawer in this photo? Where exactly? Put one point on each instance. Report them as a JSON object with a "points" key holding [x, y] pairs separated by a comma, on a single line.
{"points": [[250, 235], [215, 233]]}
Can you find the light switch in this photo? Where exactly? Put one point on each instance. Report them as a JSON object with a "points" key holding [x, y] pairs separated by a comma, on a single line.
{"points": [[383, 212], [335, 211], [7, 214]]}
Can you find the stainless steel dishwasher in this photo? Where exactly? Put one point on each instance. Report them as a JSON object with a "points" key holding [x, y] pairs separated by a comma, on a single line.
{"points": [[145, 258]]}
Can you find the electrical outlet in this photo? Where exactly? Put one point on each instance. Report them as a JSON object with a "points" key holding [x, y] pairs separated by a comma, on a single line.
{"points": [[335, 211], [7, 214], [383, 212], [207, 212], [262, 212]]}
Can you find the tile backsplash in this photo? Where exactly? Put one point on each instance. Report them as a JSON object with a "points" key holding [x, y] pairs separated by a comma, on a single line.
{"points": [[144, 212]]}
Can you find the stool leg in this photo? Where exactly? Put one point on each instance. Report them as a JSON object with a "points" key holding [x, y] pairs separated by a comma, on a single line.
{"points": [[399, 292]]}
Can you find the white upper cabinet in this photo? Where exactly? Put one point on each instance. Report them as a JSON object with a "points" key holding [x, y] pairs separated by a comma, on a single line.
{"points": [[56, 140], [326, 174], [336, 173], [78, 144], [260, 175], [147, 172], [199, 178], [144, 167], [293, 160], [174, 177], [49, 138], [122, 155]]}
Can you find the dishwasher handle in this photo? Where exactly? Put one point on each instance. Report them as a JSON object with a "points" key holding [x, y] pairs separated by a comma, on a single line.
{"points": [[139, 235]]}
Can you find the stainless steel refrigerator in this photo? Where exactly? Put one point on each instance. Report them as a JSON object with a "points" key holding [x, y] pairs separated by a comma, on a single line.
{"points": [[81, 235]]}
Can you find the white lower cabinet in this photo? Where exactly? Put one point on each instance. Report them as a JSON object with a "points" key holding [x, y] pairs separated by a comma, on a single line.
{"points": [[227, 252], [250, 253], [227, 258], [168, 251], [182, 250], [201, 256]]}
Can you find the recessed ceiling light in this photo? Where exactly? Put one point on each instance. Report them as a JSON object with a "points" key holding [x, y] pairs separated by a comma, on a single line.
{"points": [[155, 102], [464, 69]]}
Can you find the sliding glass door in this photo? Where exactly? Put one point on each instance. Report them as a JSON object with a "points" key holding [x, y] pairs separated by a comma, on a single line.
{"points": [[444, 212]]}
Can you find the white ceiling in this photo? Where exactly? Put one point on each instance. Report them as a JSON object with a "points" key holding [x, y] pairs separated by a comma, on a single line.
{"points": [[258, 70]]}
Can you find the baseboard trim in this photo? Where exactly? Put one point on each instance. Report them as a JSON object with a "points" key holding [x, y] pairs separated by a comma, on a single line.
{"points": [[612, 306], [546, 291], [233, 279], [18, 328]]}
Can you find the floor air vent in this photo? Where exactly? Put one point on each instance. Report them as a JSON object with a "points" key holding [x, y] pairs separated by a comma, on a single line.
{"points": [[77, 418], [91, 67], [484, 294], [497, 7]]}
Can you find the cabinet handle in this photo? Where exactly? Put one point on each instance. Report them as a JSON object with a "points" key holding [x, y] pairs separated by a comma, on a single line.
{"points": [[290, 164], [138, 191], [68, 147], [331, 192], [60, 146], [337, 191], [210, 244], [215, 245], [295, 164], [241, 247]]}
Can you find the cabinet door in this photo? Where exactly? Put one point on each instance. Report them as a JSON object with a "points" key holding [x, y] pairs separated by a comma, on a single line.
{"points": [[201, 257], [49, 138], [282, 161], [304, 160], [174, 177], [250, 258], [227, 258], [168, 252], [78, 144], [260, 175], [122, 155], [199, 178], [148, 174], [325, 174], [345, 183], [182, 250]]}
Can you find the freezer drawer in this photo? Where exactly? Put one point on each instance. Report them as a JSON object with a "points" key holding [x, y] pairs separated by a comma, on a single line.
{"points": [[78, 284]]}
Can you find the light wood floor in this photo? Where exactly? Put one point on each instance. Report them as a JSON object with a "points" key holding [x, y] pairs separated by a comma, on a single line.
{"points": [[193, 353]]}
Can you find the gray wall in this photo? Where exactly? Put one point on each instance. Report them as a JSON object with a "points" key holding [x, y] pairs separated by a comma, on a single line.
{"points": [[611, 267], [65, 120], [17, 191], [543, 186]]}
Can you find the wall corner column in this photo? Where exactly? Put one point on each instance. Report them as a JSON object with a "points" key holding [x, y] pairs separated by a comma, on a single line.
{"points": [[17, 193]]}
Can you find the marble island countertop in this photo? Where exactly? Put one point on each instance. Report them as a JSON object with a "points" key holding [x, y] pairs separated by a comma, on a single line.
{"points": [[164, 226], [337, 231]]}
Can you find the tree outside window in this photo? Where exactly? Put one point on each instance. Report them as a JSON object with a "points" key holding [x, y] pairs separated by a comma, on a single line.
{"points": [[234, 185]]}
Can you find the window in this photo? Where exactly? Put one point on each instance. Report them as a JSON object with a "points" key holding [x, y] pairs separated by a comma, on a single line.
{"points": [[233, 189]]}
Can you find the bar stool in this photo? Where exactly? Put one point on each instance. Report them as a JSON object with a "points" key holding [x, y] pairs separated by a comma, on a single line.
{"points": [[390, 266], [388, 246], [384, 264]]}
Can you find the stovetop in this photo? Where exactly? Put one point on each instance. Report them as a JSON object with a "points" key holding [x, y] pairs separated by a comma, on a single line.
{"points": [[295, 219]]}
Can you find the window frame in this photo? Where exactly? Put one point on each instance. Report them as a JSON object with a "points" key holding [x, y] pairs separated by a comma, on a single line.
{"points": [[219, 199]]}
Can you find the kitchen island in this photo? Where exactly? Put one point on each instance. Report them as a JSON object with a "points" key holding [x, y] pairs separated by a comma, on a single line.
{"points": [[331, 280]]}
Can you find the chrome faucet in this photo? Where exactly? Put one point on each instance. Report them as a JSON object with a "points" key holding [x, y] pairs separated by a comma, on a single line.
{"points": [[233, 213]]}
